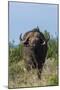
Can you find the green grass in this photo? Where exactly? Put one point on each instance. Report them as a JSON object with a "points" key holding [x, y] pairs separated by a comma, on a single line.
{"points": [[53, 80], [20, 77]]}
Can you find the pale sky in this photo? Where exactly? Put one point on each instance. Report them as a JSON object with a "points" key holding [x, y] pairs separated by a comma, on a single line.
{"points": [[26, 16]]}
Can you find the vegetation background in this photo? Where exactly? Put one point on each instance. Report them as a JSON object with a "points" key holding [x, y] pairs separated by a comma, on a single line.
{"points": [[19, 77]]}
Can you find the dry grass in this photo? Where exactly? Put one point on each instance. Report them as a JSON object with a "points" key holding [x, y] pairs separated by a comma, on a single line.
{"points": [[20, 77]]}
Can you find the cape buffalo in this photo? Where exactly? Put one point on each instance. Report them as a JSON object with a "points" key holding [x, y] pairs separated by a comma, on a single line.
{"points": [[35, 47]]}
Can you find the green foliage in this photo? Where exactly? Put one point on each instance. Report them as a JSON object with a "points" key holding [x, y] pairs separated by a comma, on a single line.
{"points": [[52, 45], [52, 48], [15, 54], [53, 80]]}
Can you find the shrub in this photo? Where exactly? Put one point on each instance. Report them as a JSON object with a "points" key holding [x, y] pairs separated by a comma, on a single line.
{"points": [[52, 45], [53, 80], [15, 54]]}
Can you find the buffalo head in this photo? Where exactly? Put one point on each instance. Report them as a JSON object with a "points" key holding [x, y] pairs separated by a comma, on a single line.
{"points": [[33, 38]]}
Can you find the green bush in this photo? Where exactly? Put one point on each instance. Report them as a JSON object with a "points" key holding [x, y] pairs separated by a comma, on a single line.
{"points": [[52, 45], [52, 48], [53, 80], [15, 54]]}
